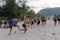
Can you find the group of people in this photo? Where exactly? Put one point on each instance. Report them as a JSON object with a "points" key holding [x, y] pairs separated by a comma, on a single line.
{"points": [[28, 22], [56, 19]]}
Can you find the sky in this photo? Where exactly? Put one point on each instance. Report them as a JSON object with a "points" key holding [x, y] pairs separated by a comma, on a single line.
{"points": [[37, 5]]}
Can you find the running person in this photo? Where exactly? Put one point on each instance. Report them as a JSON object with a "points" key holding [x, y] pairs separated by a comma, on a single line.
{"points": [[32, 23], [55, 20], [15, 23], [5, 23], [38, 22], [11, 24], [43, 19], [35, 19], [25, 24], [58, 18], [10, 21]]}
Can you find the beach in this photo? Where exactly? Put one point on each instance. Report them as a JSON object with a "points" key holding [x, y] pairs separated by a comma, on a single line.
{"points": [[48, 32]]}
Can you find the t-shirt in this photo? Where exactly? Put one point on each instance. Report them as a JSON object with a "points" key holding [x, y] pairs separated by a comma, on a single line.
{"points": [[10, 22]]}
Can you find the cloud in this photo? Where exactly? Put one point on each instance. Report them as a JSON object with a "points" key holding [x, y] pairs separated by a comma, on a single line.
{"points": [[39, 4]]}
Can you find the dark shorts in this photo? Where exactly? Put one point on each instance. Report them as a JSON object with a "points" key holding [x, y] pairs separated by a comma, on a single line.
{"points": [[5, 22], [34, 20], [24, 25], [38, 22], [43, 20], [55, 20], [32, 23], [58, 19], [10, 26]]}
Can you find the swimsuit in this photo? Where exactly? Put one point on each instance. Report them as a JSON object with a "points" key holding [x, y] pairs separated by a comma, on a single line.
{"points": [[38, 22], [24, 25]]}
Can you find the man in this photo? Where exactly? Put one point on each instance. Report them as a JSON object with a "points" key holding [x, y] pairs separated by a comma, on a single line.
{"points": [[25, 24], [55, 20], [12, 23]]}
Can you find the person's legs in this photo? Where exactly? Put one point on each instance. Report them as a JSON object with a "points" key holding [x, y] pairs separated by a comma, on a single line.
{"points": [[55, 23], [38, 23], [31, 25], [18, 27], [25, 29], [5, 25], [0, 25], [10, 30], [44, 23], [59, 22]]}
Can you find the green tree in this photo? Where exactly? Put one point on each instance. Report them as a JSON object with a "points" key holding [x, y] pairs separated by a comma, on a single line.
{"points": [[31, 13], [10, 8]]}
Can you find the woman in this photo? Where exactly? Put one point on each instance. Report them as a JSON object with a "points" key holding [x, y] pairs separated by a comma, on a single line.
{"points": [[43, 19]]}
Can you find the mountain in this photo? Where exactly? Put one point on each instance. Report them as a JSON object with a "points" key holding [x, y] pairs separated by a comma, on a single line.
{"points": [[49, 11]]}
